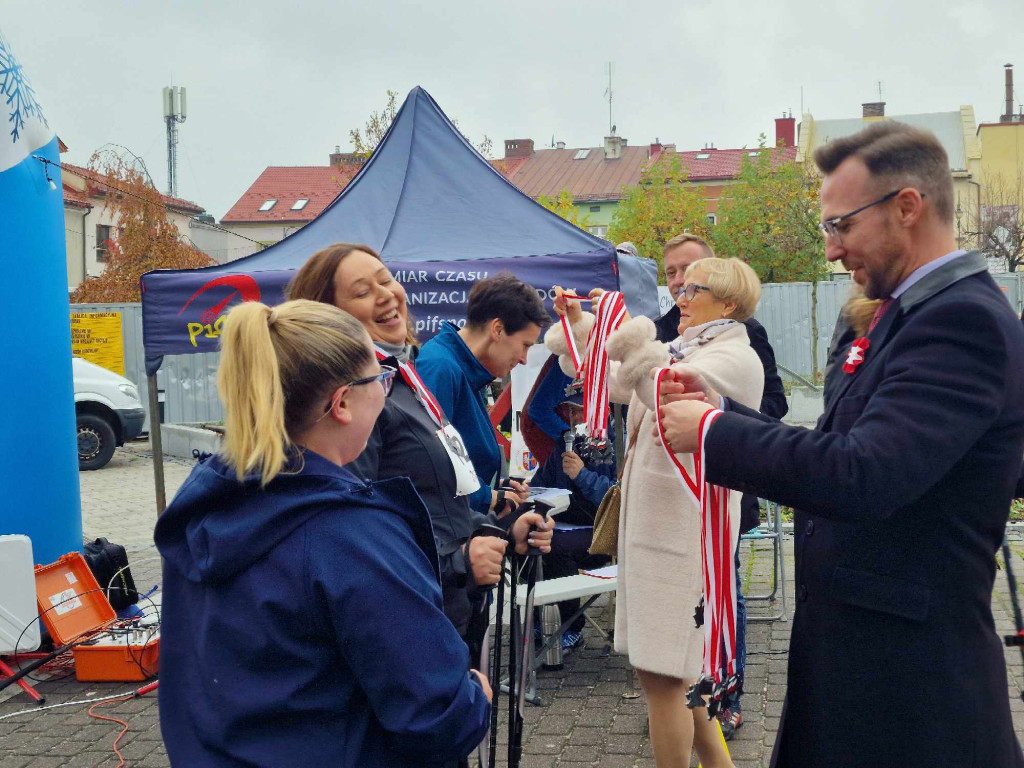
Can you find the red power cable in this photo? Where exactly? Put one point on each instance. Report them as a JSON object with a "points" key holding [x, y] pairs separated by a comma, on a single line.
{"points": [[124, 729]]}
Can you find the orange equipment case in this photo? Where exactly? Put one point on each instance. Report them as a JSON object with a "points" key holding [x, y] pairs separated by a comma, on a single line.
{"points": [[71, 603], [115, 659]]}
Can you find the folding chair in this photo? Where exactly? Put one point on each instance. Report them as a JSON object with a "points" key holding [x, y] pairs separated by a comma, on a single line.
{"points": [[771, 530]]}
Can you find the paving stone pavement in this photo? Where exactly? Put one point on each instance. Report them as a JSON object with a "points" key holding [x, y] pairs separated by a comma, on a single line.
{"points": [[592, 713]]}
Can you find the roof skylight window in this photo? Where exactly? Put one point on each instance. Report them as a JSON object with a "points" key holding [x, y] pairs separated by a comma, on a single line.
{"points": [[300, 203], [704, 156], [581, 154], [753, 154], [267, 205]]}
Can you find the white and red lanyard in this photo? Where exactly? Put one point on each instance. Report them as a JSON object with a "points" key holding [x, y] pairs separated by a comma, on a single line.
{"points": [[716, 537], [609, 312], [424, 395]]}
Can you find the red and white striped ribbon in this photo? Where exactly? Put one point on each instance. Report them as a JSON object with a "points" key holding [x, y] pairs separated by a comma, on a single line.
{"points": [[609, 313], [424, 395], [577, 363], [716, 538]]}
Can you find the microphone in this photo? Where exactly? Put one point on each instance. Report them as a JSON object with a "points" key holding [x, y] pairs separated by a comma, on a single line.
{"points": [[567, 437]]}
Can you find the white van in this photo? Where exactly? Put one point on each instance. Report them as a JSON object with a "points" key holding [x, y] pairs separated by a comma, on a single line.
{"points": [[108, 411]]}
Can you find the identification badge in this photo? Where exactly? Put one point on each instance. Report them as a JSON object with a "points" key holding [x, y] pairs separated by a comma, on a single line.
{"points": [[466, 480]]}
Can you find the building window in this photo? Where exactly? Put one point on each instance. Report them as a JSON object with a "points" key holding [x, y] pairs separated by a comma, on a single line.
{"points": [[581, 154], [595, 209], [104, 236], [601, 231], [712, 219], [704, 156], [300, 203], [267, 205]]}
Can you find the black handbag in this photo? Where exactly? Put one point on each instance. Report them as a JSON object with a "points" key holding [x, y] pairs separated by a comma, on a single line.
{"points": [[109, 564]]}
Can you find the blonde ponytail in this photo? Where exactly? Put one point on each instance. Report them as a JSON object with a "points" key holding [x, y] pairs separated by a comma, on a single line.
{"points": [[277, 365], [249, 382], [859, 310]]}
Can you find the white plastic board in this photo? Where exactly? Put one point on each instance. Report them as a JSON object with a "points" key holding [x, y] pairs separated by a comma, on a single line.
{"points": [[18, 610]]}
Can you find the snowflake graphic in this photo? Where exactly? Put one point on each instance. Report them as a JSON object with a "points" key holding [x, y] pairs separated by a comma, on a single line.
{"points": [[20, 96]]}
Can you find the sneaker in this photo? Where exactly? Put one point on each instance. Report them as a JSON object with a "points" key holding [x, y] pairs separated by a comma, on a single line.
{"points": [[571, 641], [730, 720]]}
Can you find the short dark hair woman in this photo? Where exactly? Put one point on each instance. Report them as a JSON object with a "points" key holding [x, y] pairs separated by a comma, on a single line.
{"points": [[504, 318]]}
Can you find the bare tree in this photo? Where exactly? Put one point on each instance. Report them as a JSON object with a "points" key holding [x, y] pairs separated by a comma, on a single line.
{"points": [[996, 227]]}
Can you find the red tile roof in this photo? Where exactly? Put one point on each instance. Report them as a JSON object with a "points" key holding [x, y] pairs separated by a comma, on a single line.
{"points": [[549, 171], [74, 198], [319, 184], [722, 164], [96, 186]]}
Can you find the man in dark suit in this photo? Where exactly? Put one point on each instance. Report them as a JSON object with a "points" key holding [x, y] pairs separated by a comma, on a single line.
{"points": [[903, 488], [679, 253]]}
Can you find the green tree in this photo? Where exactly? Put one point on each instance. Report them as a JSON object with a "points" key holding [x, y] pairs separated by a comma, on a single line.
{"points": [[771, 221], [662, 205], [564, 206]]}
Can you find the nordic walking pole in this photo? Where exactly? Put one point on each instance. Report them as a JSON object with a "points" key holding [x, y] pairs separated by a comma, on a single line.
{"points": [[496, 669], [513, 645]]}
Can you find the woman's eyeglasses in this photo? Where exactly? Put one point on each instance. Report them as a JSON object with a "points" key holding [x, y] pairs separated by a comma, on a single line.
{"points": [[689, 291], [385, 378]]}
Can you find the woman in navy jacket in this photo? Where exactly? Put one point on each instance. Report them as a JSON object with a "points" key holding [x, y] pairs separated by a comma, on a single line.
{"points": [[303, 620]]}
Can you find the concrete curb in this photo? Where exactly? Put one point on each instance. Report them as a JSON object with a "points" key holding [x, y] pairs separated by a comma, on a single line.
{"points": [[180, 440]]}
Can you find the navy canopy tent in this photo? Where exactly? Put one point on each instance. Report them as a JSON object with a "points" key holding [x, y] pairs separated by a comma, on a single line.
{"points": [[440, 216]]}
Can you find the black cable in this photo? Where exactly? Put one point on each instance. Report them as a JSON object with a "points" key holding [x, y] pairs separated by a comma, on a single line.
{"points": [[71, 642]]}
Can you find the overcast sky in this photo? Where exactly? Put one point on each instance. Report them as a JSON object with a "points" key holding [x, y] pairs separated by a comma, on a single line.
{"points": [[272, 83]]}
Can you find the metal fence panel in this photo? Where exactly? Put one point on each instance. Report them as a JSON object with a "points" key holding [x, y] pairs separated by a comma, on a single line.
{"points": [[785, 312], [1010, 282]]}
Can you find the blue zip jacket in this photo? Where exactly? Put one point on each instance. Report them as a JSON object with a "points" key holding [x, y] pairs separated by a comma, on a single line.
{"points": [[452, 372], [303, 625]]}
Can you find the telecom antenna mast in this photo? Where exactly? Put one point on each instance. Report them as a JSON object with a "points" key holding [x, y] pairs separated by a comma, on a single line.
{"points": [[174, 113]]}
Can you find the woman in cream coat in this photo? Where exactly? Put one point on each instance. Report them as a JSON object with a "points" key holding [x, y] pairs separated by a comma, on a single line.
{"points": [[660, 581]]}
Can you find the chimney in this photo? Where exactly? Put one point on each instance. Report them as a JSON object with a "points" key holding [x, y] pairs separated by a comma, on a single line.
{"points": [[345, 158], [873, 109], [559, 145], [613, 147], [518, 148], [785, 131], [1008, 116], [655, 149]]}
